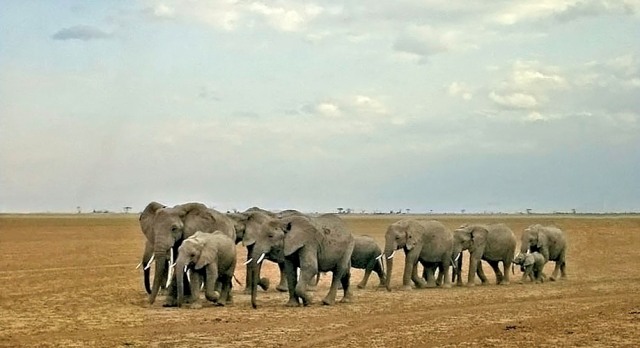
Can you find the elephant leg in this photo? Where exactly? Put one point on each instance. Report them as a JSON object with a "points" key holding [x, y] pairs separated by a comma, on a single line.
{"points": [[365, 279], [344, 280], [248, 276], [336, 278], [563, 273], [474, 267], [290, 271], [496, 269], [211, 280], [556, 270], [314, 283], [429, 275], [380, 272], [410, 271], [282, 286], [225, 290], [194, 286], [445, 281], [506, 279]]}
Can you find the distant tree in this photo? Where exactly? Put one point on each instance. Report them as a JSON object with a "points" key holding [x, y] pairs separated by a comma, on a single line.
{"points": [[340, 210], [463, 211], [528, 210], [127, 209], [348, 211], [79, 209], [573, 211], [407, 210]]}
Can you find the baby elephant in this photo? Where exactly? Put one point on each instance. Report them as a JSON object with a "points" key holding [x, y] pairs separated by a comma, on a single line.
{"points": [[366, 255], [532, 264], [212, 257]]}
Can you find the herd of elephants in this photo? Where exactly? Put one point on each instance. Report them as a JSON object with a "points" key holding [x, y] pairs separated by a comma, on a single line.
{"points": [[194, 249]]}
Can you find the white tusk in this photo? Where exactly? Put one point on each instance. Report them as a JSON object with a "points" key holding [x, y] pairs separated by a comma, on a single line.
{"points": [[139, 265], [185, 269], [457, 257], [201, 286], [248, 261], [379, 257], [189, 276], [260, 258], [169, 276], [153, 257], [172, 265], [171, 257], [391, 256]]}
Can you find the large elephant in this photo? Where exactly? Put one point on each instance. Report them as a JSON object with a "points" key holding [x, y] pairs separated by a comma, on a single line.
{"points": [[550, 241], [252, 222], [427, 242], [212, 257], [146, 225], [493, 243], [310, 244], [172, 225]]}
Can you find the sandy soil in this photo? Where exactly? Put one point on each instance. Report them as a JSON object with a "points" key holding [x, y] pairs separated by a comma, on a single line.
{"points": [[71, 281]]}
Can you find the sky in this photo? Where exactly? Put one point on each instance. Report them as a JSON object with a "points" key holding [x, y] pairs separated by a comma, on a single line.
{"points": [[432, 106]]}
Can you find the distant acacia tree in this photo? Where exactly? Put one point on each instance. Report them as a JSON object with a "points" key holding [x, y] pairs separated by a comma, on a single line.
{"points": [[528, 210], [127, 209], [340, 210]]}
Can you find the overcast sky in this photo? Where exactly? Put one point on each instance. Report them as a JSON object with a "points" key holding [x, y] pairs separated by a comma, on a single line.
{"points": [[371, 105]]}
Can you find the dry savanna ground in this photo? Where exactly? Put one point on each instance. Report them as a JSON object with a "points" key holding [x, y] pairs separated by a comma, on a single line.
{"points": [[71, 281]]}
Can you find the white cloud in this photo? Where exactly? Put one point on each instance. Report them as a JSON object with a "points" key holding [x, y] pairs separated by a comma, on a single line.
{"points": [[514, 100], [460, 89]]}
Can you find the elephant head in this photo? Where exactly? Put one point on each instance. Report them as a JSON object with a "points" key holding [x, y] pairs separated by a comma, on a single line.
{"points": [[265, 239], [146, 225], [534, 239], [170, 227], [469, 237], [402, 234]]}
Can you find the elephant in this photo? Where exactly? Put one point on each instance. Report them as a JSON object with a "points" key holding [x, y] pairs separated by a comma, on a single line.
{"points": [[310, 244], [147, 255], [550, 241], [426, 241], [532, 265], [251, 224], [212, 256], [366, 255], [172, 225], [493, 243]]}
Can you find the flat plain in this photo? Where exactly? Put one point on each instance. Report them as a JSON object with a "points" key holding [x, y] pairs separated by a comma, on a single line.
{"points": [[70, 280]]}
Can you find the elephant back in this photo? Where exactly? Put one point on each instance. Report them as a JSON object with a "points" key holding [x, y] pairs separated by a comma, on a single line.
{"points": [[437, 241], [501, 243]]}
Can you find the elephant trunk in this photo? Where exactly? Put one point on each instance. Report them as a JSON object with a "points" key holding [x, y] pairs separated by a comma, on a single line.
{"points": [[180, 269], [161, 268], [254, 268], [389, 253]]}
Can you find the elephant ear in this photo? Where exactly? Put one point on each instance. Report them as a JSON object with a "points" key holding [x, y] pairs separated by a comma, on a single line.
{"points": [[542, 240], [207, 253], [411, 236], [479, 236], [528, 260], [196, 217], [294, 238], [147, 217]]}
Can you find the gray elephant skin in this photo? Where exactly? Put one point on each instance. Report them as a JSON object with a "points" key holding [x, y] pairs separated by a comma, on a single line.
{"points": [[310, 244], [172, 225], [367, 256], [212, 257], [493, 243], [551, 242], [532, 266], [426, 241]]}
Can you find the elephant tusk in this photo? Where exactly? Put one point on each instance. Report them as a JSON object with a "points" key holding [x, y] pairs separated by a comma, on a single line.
{"points": [[172, 265], [457, 257], [169, 277], [185, 269], [188, 276], [171, 261], [139, 265], [201, 286], [248, 261], [391, 256], [260, 258], [379, 257], [153, 257]]}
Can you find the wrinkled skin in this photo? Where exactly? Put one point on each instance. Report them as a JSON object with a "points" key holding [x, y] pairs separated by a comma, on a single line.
{"points": [[550, 241], [312, 245], [212, 257], [532, 266], [427, 242], [493, 243], [172, 225]]}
